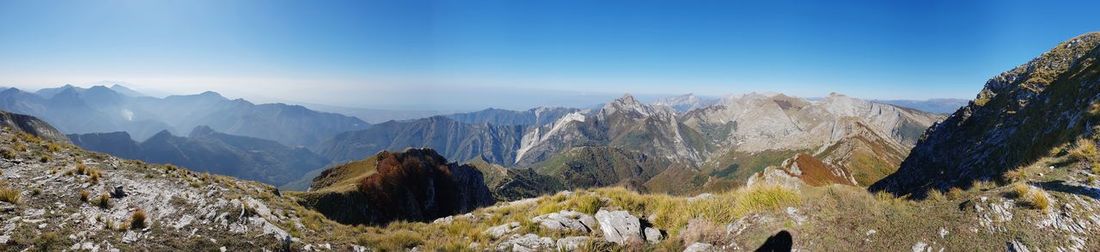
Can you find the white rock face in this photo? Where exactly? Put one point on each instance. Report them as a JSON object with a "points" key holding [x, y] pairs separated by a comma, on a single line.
{"points": [[566, 220], [619, 226]]}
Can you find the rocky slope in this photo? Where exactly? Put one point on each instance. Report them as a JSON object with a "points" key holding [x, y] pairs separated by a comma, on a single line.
{"points": [[206, 150], [1021, 116], [415, 185], [55, 196], [30, 125], [535, 116]]}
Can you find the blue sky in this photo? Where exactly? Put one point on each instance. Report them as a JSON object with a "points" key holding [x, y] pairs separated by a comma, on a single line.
{"points": [[519, 54]]}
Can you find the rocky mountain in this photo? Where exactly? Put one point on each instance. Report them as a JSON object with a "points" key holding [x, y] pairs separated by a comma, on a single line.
{"points": [[685, 103], [728, 141], [206, 150], [1021, 116], [454, 140], [938, 106], [535, 116], [30, 125], [77, 110], [416, 185]]}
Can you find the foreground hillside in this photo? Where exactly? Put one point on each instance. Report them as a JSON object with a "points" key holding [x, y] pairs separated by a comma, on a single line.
{"points": [[54, 196]]}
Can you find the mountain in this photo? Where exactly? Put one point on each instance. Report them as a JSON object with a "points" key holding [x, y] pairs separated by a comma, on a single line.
{"points": [[76, 110], [416, 184], [373, 116], [535, 116], [123, 90], [206, 150], [454, 140], [716, 146], [938, 106], [30, 125], [685, 103], [1021, 116]]}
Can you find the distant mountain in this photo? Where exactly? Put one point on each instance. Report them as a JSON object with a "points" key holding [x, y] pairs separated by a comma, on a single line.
{"points": [[938, 106], [206, 150], [77, 110], [123, 90], [685, 103], [1034, 111], [414, 185], [535, 116], [454, 140], [376, 115]]}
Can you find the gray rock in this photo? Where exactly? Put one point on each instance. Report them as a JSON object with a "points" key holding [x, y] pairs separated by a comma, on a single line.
{"points": [[527, 242], [1016, 246], [501, 230], [566, 220], [653, 235], [619, 226], [700, 247], [572, 243]]}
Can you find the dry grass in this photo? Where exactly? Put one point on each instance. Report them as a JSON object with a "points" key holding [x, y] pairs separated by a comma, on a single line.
{"points": [[9, 195], [1032, 196], [137, 219], [7, 153], [954, 193], [84, 194], [1085, 150], [103, 201]]}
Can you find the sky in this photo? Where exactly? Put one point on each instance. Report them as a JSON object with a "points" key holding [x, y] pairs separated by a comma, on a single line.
{"points": [[461, 55]]}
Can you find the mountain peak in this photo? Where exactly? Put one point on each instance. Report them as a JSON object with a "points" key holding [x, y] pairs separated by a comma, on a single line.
{"points": [[202, 130]]}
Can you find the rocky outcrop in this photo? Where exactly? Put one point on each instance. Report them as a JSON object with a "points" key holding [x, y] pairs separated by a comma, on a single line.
{"points": [[1016, 119], [566, 221], [623, 228], [31, 125], [415, 185]]}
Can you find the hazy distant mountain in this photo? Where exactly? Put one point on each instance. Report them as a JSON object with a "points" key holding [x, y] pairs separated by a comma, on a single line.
{"points": [[206, 150], [535, 116], [685, 103], [77, 110], [452, 139], [939, 106], [376, 115], [126, 91]]}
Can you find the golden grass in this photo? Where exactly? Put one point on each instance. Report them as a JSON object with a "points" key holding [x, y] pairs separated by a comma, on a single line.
{"points": [[936, 195], [84, 194], [1085, 150], [137, 219], [9, 195], [1032, 196], [103, 201], [954, 193]]}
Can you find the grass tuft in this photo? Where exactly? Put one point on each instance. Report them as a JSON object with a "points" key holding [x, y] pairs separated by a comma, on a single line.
{"points": [[9, 195], [137, 220]]}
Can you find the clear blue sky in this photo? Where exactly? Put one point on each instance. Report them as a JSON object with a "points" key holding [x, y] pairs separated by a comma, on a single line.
{"points": [[446, 54]]}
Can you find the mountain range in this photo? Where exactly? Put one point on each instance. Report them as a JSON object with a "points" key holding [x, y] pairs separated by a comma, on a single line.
{"points": [[728, 140], [98, 109], [206, 150]]}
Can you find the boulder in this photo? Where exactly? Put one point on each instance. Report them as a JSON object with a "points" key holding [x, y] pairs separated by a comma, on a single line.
{"points": [[527, 242], [572, 243], [566, 220], [653, 235], [619, 226], [701, 247], [499, 231]]}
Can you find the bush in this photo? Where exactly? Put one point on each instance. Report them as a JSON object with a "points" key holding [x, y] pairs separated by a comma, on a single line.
{"points": [[137, 220], [954, 193], [84, 194], [1032, 196], [1085, 150], [935, 195], [49, 241], [103, 201], [9, 195], [396, 241], [7, 153]]}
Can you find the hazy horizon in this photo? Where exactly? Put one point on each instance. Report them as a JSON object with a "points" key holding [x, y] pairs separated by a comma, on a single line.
{"points": [[456, 56]]}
